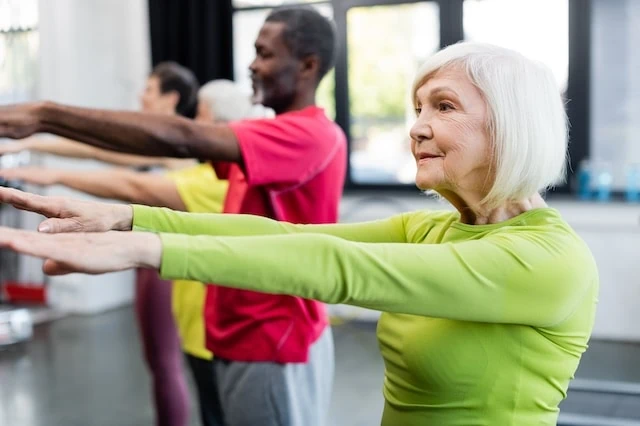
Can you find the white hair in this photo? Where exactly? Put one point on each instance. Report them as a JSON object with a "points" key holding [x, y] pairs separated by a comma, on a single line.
{"points": [[527, 122], [226, 100]]}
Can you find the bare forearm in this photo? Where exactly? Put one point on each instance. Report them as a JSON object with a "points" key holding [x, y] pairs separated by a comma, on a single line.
{"points": [[125, 185], [59, 146], [133, 160], [139, 133], [104, 184], [72, 149]]}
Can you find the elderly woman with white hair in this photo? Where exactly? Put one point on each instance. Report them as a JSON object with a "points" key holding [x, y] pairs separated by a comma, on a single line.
{"points": [[486, 309], [194, 189]]}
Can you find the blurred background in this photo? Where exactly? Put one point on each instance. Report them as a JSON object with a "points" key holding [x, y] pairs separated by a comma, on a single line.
{"points": [[61, 337]]}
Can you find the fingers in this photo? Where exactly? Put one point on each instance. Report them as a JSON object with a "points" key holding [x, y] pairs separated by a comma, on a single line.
{"points": [[52, 267], [90, 253], [24, 177], [7, 235], [34, 244], [61, 252], [21, 173], [42, 246], [39, 245], [46, 206], [11, 173], [57, 226]]}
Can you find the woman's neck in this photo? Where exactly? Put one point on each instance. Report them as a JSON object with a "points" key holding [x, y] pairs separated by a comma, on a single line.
{"points": [[473, 213]]}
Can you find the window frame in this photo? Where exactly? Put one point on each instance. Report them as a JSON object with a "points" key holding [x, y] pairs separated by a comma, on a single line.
{"points": [[578, 89], [235, 9]]}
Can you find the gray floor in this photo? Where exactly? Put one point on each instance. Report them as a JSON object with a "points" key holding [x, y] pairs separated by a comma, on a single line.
{"points": [[88, 371]]}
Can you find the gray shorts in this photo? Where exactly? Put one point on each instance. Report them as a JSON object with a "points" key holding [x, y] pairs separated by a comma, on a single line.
{"points": [[271, 394]]}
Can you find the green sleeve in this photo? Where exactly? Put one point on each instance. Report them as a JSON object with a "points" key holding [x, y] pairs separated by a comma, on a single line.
{"points": [[516, 278], [168, 221]]}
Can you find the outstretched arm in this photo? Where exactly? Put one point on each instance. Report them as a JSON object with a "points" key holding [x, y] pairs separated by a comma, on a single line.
{"points": [[146, 218], [69, 215], [57, 146], [123, 131], [72, 149], [124, 185], [528, 279]]}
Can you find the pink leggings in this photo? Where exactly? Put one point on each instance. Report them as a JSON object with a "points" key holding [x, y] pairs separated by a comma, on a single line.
{"points": [[162, 349]]}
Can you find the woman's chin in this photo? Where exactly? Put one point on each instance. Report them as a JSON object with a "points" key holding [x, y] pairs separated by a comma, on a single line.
{"points": [[422, 187], [426, 183]]}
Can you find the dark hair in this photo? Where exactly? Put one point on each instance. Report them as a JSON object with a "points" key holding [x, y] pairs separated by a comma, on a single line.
{"points": [[306, 33], [175, 77]]}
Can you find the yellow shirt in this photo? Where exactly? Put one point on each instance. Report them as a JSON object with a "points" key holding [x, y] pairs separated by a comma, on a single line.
{"points": [[201, 192]]}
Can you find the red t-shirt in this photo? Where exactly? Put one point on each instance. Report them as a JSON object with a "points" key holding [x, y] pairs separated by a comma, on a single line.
{"points": [[294, 170]]}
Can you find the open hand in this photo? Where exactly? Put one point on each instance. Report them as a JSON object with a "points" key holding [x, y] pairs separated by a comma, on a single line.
{"points": [[69, 215], [92, 253]]}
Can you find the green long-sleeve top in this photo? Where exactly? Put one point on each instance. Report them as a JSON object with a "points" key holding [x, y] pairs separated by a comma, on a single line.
{"points": [[481, 324]]}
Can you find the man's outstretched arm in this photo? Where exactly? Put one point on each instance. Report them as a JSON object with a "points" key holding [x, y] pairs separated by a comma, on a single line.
{"points": [[123, 131]]}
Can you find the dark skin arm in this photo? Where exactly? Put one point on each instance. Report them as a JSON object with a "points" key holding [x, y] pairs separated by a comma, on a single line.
{"points": [[123, 131]]}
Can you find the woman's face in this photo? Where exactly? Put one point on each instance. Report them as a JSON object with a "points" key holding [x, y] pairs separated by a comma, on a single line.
{"points": [[153, 100], [450, 140]]}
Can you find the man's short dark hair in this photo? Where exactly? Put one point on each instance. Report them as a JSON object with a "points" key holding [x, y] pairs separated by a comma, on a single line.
{"points": [[175, 77], [306, 33]]}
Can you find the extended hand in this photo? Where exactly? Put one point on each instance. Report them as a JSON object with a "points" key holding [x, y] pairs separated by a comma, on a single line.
{"points": [[69, 215], [12, 147], [34, 175], [19, 121], [93, 253]]}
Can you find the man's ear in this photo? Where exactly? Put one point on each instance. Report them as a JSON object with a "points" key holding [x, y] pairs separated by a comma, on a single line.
{"points": [[174, 97], [310, 66]]}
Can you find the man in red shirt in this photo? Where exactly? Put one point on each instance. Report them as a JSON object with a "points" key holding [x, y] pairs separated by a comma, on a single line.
{"points": [[273, 353]]}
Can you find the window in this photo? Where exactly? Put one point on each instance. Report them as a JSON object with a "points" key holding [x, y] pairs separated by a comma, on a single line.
{"points": [[516, 25], [615, 90], [18, 50], [385, 46]]}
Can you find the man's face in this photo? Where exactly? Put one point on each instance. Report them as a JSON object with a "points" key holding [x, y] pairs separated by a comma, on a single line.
{"points": [[274, 71]]}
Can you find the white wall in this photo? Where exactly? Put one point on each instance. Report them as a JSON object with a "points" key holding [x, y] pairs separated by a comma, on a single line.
{"points": [[611, 230], [93, 53]]}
